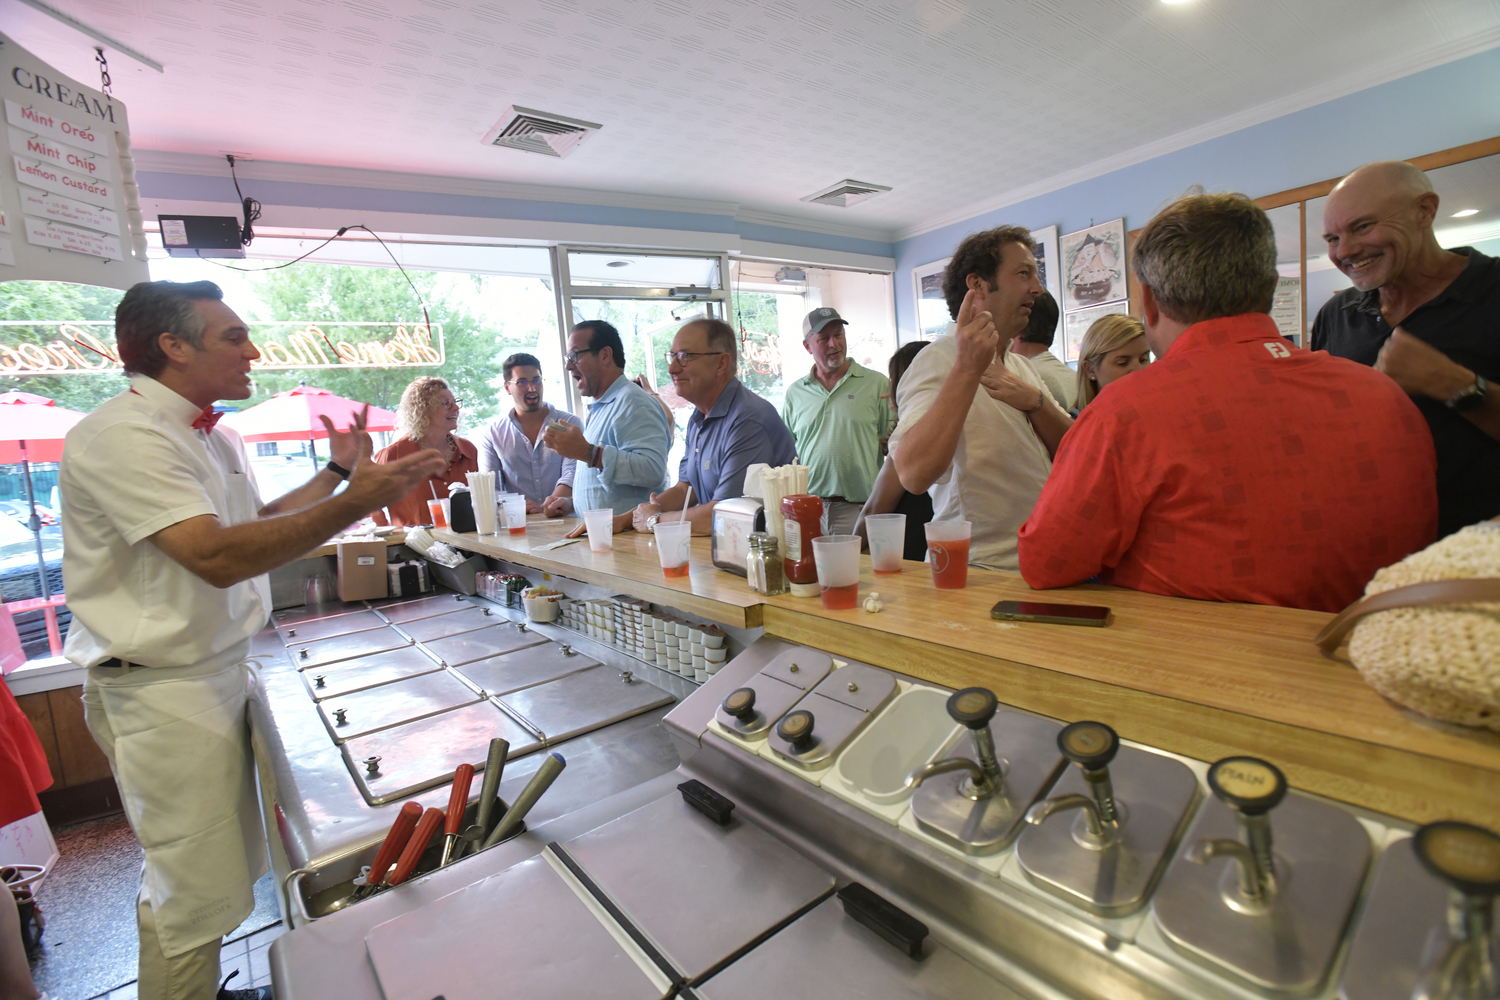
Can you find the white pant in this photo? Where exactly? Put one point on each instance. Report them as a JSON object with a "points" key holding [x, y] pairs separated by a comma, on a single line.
{"points": [[177, 740], [193, 975]]}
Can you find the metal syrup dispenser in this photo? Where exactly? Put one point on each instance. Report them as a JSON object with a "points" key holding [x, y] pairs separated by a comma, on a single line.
{"points": [[831, 715], [750, 711], [976, 805], [1427, 931], [1274, 915], [1126, 808]]}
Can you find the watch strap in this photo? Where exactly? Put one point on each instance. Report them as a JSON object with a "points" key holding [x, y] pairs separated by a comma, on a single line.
{"points": [[337, 470], [1471, 397]]}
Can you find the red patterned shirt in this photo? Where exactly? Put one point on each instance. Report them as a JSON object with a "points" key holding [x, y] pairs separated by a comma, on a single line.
{"points": [[1238, 468]]}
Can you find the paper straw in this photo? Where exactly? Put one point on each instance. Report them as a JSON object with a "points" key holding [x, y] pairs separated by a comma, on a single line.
{"points": [[686, 503]]}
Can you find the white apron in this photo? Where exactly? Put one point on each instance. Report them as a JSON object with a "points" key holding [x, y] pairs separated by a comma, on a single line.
{"points": [[178, 741]]}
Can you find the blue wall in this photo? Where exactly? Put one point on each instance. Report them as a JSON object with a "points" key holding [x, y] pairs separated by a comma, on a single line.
{"points": [[1436, 109]]}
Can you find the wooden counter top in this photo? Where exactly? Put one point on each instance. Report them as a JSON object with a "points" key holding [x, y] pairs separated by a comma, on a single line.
{"points": [[1198, 678], [632, 567]]}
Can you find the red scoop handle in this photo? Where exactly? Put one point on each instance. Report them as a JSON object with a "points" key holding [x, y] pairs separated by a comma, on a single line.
{"points": [[458, 799], [390, 850], [426, 827]]}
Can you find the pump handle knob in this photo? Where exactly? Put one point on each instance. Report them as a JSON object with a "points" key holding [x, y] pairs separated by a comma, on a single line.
{"points": [[797, 729], [1247, 785], [1465, 856], [1090, 745], [741, 704], [973, 707]]}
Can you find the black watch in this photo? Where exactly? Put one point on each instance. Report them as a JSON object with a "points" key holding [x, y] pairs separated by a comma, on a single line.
{"points": [[1471, 398]]}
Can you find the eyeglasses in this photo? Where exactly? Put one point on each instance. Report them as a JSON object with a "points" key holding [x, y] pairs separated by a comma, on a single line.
{"points": [[572, 356], [528, 383], [683, 357]]}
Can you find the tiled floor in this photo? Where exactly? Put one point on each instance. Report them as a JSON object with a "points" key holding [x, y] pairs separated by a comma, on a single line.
{"points": [[89, 947]]}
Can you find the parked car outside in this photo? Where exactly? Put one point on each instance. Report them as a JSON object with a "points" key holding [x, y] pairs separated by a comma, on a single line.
{"points": [[20, 510]]}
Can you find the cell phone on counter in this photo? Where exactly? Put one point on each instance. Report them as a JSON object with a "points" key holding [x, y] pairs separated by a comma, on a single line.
{"points": [[1090, 615]]}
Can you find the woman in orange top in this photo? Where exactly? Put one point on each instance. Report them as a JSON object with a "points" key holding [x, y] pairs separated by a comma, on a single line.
{"points": [[426, 418]]}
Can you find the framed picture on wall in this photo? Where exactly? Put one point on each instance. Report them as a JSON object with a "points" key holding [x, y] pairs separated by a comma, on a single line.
{"points": [[1046, 261], [1077, 322], [927, 292], [1093, 266]]}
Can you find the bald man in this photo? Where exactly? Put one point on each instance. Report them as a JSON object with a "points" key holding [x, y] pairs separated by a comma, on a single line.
{"points": [[1427, 317]]}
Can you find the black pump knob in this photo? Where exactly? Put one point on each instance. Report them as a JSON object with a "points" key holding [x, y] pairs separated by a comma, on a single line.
{"points": [[1247, 785], [973, 707], [797, 729], [740, 704], [1465, 856], [1090, 745]]}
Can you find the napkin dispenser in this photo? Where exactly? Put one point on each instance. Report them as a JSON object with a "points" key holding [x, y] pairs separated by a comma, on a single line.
{"points": [[734, 522]]}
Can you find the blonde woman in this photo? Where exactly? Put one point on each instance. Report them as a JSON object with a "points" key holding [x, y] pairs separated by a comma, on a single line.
{"points": [[1112, 347], [427, 417]]}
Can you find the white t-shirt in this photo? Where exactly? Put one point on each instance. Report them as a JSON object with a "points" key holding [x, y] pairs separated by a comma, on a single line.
{"points": [[1000, 465], [129, 469]]}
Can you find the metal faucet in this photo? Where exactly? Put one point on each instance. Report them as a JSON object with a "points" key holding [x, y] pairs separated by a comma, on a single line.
{"points": [[972, 707], [1466, 857], [1091, 746], [1251, 787]]}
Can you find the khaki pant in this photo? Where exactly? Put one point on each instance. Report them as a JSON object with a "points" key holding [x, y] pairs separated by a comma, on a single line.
{"points": [[839, 516], [193, 975]]}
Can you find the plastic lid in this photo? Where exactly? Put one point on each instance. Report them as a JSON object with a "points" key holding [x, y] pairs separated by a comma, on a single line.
{"points": [[797, 729], [1090, 745], [740, 704], [1247, 784], [1465, 856], [973, 706]]}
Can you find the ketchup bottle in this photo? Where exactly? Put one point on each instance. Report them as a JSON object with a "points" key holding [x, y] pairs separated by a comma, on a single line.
{"points": [[804, 522]]}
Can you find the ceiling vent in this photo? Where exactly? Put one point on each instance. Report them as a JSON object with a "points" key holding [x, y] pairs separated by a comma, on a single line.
{"points": [[539, 132], [846, 193]]}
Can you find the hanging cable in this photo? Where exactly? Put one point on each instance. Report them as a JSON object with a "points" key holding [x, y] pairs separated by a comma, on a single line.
{"points": [[249, 206]]}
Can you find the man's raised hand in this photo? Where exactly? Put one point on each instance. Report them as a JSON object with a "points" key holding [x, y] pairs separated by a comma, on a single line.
{"points": [[376, 484], [977, 337]]}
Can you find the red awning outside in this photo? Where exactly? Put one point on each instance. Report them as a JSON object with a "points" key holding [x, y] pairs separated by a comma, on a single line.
{"points": [[293, 416]]}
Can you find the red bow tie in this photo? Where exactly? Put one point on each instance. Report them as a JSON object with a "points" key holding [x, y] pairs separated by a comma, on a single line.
{"points": [[206, 420]]}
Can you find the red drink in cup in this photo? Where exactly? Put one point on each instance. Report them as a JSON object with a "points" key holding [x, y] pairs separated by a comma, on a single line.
{"points": [[948, 552], [841, 598], [675, 571]]}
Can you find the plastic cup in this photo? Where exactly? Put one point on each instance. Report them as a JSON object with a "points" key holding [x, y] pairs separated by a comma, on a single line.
{"points": [[674, 546], [438, 511], [887, 534], [948, 552], [515, 513], [601, 529], [837, 560]]}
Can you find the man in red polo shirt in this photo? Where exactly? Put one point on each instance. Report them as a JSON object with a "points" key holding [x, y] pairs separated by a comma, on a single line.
{"points": [[1238, 467]]}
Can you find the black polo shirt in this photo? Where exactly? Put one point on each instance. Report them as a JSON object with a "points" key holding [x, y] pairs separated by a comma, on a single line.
{"points": [[1463, 322]]}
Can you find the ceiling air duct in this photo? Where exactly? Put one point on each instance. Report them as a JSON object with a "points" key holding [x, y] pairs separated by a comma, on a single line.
{"points": [[539, 132], [846, 193]]}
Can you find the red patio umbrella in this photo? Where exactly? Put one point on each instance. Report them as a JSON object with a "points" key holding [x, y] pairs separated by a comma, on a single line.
{"points": [[32, 428], [293, 416]]}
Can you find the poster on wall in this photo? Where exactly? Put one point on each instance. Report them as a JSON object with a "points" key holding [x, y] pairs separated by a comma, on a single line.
{"points": [[1286, 309], [927, 291], [1046, 261], [1077, 323], [69, 207], [1093, 266]]}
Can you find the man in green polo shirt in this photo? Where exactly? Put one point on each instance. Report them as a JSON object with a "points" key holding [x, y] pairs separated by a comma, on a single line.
{"points": [[839, 414]]}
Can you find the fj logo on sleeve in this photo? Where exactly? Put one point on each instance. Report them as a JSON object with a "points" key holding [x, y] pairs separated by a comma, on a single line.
{"points": [[1277, 349]]}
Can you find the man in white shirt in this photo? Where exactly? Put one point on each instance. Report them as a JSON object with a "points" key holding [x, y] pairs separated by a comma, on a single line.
{"points": [[513, 449], [166, 547], [1035, 345], [978, 427]]}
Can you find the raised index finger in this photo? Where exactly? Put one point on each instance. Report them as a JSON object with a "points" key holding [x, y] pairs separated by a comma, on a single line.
{"points": [[969, 308]]}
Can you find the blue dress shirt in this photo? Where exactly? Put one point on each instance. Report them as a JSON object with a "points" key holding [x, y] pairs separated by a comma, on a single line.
{"points": [[631, 427], [739, 430], [520, 466]]}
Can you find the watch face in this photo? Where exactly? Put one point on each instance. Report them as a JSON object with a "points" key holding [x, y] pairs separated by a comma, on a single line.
{"points": [[1472, 397]]}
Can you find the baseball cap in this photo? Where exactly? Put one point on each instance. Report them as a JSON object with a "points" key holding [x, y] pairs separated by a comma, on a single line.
{"points": [[819, 318]]}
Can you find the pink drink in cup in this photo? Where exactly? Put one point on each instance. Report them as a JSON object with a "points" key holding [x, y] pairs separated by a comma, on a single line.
{"points": [[436, 511], [837, 560], [674, 547], [948, 551]]}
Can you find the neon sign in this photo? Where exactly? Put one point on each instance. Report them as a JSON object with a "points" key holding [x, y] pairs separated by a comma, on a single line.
{"points": [[76, 347]]}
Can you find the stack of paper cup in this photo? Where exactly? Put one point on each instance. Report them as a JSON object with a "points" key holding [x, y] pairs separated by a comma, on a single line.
{"points": [[482, 494]]}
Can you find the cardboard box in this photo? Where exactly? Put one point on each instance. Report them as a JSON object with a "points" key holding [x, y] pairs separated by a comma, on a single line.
{"points": [[361, 570]]}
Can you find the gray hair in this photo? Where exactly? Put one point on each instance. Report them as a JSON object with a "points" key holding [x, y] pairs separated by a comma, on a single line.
{"points": [[152, 308], [1208, 255], [721, 338]]}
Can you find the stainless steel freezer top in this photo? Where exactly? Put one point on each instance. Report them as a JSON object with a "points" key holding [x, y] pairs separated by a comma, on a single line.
{"points": [[322, 652], [393, 704], [295, 633], [583, 701], [521, 933], [701, 893], [525, 667], [827, 954], [438, 626], [409, 610], [367, 672], [456, 650]]}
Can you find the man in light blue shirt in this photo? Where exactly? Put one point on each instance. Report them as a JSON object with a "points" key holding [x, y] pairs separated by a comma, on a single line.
{"points": [[730, 430], [513, 449], [622, 451]]}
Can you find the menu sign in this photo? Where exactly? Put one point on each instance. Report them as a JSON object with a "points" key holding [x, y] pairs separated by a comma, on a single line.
{"points": [[68, 194]]}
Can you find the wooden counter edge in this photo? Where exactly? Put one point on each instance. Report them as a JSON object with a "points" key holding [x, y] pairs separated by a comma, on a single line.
{"points": [[1402, 783]]}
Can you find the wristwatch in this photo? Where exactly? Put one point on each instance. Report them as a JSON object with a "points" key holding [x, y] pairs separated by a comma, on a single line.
{"points": [[1470, 398], [651, 523]]}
